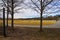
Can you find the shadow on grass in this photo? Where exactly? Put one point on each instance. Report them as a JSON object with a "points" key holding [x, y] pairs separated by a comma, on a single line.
{"points": [[22, 33]]}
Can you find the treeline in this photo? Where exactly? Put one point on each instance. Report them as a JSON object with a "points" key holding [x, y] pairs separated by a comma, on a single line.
{"points": [[47, 18]]}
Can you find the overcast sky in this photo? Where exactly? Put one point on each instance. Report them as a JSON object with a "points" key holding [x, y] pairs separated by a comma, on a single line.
{"points": [[30, 13]]}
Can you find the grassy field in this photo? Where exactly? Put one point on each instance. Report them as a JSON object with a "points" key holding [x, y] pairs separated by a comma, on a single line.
{"points": [[31, 34], [31, 22]]}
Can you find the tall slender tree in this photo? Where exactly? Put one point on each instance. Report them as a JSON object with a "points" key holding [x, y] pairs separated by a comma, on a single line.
{"points": [[43, 5], [12, 23], [7, 12], [11, 5], [4, 30], [39, 6]]}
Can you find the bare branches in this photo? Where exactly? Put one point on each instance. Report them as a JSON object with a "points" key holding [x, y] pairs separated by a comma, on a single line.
{"points": [[47, 3], [16, 3], [44, 4], [35, 4], [4, 3]]}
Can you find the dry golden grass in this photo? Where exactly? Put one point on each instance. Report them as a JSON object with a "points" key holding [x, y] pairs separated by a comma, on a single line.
{"points": [[31, 22]]}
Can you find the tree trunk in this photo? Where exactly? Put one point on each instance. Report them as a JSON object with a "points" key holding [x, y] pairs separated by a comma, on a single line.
{"points": [[7, 15], [4, 31], [7, 11], [12, 23], [41, 17]]}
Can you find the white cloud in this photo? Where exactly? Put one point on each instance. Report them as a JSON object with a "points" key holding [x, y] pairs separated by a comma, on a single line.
{"points": [[26, 13], [29, 13]]}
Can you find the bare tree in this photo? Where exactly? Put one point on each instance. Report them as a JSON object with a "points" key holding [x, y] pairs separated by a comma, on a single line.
{"points": [[42, 5], [11, 5], [4, 22], [39, 6]]}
